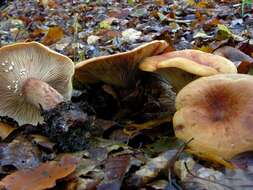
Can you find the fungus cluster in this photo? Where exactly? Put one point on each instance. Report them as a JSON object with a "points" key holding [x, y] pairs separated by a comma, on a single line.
{"points": [[215, 110], [210, 110], [33, 77]]}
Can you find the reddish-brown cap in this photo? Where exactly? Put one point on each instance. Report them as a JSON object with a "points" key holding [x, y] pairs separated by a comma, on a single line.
{"points": [[119, 69], [21, 61], [217, 112]]}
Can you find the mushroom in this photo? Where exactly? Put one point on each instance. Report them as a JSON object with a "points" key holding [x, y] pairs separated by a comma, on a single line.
{"points": [[181, 67], [120, 69], [217, 113], [33, 77]]}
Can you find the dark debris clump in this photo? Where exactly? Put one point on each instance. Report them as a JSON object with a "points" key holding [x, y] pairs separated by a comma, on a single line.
{"points": [[98, 102], [9, 121], [68, 126]]}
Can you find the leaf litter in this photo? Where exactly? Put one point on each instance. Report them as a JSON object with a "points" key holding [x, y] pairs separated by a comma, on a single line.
{"points": [[128, 139]]}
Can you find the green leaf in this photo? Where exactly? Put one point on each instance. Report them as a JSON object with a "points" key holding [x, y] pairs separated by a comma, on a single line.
{"points": [[131, 2], [105, 24], [224, 33]]}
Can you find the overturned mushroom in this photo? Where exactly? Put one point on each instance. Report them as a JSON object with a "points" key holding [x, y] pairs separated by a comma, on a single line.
{"points": [[217, 113], [181, 67], [33, 76], [119, 69]]}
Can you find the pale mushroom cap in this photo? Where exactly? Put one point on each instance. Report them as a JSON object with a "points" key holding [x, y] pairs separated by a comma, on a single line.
{"points": [[192, 61], [22, 61], [217, 112], [118, 69]]}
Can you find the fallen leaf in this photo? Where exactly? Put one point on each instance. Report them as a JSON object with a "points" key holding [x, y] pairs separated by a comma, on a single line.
{"points": [[53, 35], [48, 3], [5, 130], [242, 61], [20, 154], [161, 145], [115, 169], [225, 33], [135, 128], [39, 178], [37, 33], [106, 24], [131, 35], [43, 142], [158, 185], [243, 161], [152, 169], [92, 39], [195, 176], [233, 54]]}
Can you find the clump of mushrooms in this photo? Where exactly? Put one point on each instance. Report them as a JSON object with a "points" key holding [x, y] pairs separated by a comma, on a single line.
{"points": [[119, 69], [184, 66], [33, 77], [217, 113]]}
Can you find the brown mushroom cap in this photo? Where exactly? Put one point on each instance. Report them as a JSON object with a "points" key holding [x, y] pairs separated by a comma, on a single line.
{"points": [[22, 61], [217, 112], [181, 67], [119, 69]]}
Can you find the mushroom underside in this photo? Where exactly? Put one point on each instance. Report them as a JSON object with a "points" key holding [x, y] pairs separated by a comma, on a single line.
{"points": [[177, 77], [34, 61]]}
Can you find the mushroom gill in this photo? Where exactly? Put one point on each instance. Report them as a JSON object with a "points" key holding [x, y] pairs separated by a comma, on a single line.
{"points": [[120, 69], [32, 75]]}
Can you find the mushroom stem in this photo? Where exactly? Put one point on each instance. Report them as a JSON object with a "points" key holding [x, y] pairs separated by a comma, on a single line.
{"points": [[177, 78], [41, 94]]}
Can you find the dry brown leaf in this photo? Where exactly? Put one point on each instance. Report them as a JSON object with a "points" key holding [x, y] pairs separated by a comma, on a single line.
{"points": [[5, 130], [43, 141], [53, 35], [133, 129], [160, 2], [48, 3], [20, 154], [37, 33], [242, 61], [233, 54], [39, 178], [152, 169], [115, 169]]}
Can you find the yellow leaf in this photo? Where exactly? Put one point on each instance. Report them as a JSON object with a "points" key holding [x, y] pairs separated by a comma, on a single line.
{"points": [[53, 35], [135, 128]]}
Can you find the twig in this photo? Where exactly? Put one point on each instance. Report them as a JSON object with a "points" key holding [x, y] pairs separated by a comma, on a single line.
{"points": [[173, 160], [75, 36], [204, 179]]}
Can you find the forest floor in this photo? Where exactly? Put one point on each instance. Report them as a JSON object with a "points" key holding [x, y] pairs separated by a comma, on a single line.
{"points": [[132, 144]]}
